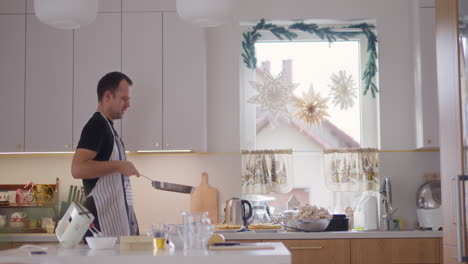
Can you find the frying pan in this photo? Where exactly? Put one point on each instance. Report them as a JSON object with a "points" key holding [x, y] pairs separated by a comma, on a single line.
{"points": [[170, 187]]}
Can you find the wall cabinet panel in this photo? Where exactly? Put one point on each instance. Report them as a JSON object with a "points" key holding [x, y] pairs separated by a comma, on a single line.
{"points": [[12, 43], [49, 80], [184, 82], [12, 6], [142, 61], [97, 51], [148, 5]]}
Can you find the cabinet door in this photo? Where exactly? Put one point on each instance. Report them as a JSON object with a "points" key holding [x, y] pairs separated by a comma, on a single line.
{"points": [[389, 251], [148, 5], [142, 62], [184, 82], [49, 81], [12, 30], [12, 7], [332, 251], [427, 121], [97, 51]]}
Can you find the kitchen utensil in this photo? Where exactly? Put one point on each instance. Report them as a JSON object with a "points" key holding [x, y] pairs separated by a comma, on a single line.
{"points": [[205, 199], [73, 225], [95, 231], [235, 212], [312, 225], [101, 242], [429, 195], [171, 187], [243, 246]]}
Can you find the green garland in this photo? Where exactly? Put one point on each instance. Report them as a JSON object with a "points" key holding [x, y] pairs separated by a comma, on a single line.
{"points": [[328, 33]]}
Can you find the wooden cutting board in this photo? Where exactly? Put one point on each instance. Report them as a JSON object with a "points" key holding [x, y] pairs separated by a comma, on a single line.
{"points": [[205, 199]]}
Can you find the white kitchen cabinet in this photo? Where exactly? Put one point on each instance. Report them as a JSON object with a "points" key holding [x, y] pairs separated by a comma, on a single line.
{"points": [[12, 6], [49, 81], [97, 51], [167, 65], [12, 30], [142, 61], [103, 5], [148, 5], [184, 82], [427, 118], [110, 5]]}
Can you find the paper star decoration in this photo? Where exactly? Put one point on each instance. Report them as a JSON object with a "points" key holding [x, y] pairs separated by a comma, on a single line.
{"points": [[342, 91], [274, 94], [312, 108]]}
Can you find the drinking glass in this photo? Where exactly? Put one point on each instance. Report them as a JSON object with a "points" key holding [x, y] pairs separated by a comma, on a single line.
{"points": [[159, 233]]}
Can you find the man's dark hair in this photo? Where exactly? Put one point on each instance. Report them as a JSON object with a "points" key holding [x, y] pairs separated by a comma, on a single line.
{"points": [[110, 82]]}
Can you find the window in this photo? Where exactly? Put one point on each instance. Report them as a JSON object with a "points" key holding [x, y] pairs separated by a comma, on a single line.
{"points": [[310, 62]]}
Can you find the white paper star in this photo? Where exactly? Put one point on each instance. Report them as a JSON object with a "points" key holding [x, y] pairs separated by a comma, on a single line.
{"points": [[342, 91], [274, 94]]}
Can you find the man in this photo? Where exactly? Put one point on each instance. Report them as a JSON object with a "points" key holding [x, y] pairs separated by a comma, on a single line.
{"points": [[101, 163]]}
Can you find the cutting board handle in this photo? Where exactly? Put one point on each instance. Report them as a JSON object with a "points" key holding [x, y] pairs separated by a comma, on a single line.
{"points": [[204, 178]]}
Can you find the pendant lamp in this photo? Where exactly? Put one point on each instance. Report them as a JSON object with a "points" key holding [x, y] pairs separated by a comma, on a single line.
{"points": [[66, 14], [205, 13]]}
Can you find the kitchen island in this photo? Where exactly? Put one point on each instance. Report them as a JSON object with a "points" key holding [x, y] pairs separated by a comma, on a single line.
{"points": [[82, 254]]}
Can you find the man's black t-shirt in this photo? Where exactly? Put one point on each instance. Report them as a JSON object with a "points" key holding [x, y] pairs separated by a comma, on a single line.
{"points": [[96, 136]]}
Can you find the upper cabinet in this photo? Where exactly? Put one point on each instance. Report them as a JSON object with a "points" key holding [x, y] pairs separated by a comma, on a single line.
{"points": [[427, 121], [97, 50], [167, 109], [148, 5], [52, 74], [184, 82], [12, 6], [12, 43], [49, 81], [142, 62]]}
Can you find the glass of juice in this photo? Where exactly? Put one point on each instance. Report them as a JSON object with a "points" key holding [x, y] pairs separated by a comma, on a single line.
{"points": [[159, 233]]}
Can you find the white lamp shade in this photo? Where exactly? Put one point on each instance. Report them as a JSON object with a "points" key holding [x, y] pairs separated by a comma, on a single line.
{"points": [[205, 13], [66, 14]]}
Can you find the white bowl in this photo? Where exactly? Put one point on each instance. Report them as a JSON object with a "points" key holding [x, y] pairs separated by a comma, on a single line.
{"points": [[101, 242], [312, 225]]}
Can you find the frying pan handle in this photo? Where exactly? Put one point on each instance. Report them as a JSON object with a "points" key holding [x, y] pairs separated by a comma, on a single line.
{"points": [[246, 217]]}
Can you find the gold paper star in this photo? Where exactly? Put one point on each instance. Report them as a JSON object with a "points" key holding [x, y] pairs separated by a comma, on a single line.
{"points": [[312, 108]]}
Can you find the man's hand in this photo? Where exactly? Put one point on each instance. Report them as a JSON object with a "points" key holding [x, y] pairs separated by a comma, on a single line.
{"points": [[128, 169]]}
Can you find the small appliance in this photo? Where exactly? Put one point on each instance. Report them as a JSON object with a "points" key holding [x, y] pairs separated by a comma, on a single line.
{"points": [[73, 225], [235, 212], [429, 201]]}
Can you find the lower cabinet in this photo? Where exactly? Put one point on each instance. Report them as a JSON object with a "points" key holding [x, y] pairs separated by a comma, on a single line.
{"points": [[331, 251], [363, 251], [389, 251]]}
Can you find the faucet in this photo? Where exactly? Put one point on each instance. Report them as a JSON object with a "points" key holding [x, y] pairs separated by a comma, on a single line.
{"points": [[386, 204]]}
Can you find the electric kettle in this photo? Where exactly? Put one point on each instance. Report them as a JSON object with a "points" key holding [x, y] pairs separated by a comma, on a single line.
{"points": [[235, 211]]}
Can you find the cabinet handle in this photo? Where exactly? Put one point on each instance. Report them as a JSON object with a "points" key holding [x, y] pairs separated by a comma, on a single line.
{"points": [[428, 141], [460, 212], [168, 145], [156, 145], [67, 145], [19, 146], [305, 248]]}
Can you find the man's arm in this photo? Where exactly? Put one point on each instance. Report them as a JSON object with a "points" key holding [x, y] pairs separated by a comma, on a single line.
{"points": [[84, 167]]}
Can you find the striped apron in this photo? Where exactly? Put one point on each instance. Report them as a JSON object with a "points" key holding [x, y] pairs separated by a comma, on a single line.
{"points": [[113, 197]]}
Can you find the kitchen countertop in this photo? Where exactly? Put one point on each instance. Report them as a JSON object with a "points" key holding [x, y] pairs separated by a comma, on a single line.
{"points": [[81, 254], [333, 235], [252, 235]]}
